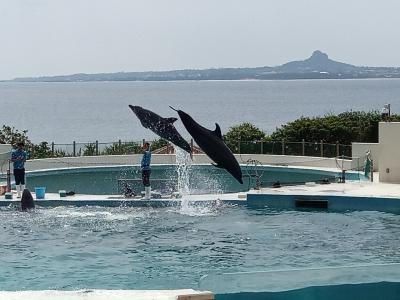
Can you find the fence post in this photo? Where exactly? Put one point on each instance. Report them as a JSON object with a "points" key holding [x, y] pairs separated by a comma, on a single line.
{"points": [[337, 149], [31, 152], [143, 141], [322, 148], [52, 149], [283, 147], [8, 189], [239, 146], [191, 144], [97, 147], [372, 170], [73, 148], [303, 147], [262, 147]]}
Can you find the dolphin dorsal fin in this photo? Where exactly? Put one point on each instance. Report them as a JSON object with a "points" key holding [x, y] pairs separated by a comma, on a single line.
{"points": [[217, 131], [171, 120]]}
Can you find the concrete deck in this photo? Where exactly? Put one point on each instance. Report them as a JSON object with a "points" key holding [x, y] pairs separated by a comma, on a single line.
{"points": [[53, 200], [187, 294], [350, 189], [361, 195]]}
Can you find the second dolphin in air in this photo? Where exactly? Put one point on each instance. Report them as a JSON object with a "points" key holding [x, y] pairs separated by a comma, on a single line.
{"points": [[212, 144], [163, 127]]}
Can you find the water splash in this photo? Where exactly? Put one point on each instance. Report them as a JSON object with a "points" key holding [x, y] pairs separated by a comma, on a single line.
{"points": [[184, 163], [186, 189]]}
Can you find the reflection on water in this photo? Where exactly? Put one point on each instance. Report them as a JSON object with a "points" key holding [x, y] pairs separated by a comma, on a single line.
{"points": [[163, 248]]}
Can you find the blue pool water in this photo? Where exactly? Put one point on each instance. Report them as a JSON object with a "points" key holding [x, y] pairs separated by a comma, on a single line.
{"points": [[202, 179], [165, 248]]}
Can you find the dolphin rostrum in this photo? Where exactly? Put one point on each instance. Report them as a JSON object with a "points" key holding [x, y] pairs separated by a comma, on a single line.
{"points": [[163, 127], [212, 144]]}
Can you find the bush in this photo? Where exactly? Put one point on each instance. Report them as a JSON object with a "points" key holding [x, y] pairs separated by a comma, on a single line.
{"points": [[347, 127], [248, 135], [89, 149], [157, 144], [122, 148], [10, 135]]}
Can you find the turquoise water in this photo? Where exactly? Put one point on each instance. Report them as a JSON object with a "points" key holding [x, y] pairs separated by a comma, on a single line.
{"points": [[144, 248], [370, 291], [203, 179]]}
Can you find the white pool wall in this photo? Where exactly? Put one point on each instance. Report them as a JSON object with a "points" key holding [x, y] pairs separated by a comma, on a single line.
{"points": [[107, 295], [67, 162]]}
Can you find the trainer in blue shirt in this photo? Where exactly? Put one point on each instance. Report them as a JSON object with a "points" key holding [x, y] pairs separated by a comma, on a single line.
{"points": [[146, 170], [18, 157]]}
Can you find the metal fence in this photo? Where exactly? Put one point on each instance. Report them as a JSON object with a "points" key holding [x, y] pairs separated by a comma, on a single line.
{"points": [[302, 148], [95, 148]]}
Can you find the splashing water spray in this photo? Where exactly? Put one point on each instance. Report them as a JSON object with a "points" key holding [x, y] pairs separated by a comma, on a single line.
{"points": [[184, 167]]}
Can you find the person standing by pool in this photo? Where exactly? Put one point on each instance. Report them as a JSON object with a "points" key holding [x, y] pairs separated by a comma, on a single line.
{"points": [[146, 170], [18, 157]]}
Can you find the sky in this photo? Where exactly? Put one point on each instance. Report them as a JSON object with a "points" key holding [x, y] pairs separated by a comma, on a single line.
{"points": [[57, 37]]}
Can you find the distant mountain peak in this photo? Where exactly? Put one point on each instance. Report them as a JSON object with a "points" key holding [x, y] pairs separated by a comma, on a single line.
{"points": [[318, 55], [318, 65], [317, 62]]}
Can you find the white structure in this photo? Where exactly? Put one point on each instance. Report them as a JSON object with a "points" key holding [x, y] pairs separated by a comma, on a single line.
{"points": [[389, 152], [5, 156], [359, 151], [5, 148], [385, 154], [105, 160]]}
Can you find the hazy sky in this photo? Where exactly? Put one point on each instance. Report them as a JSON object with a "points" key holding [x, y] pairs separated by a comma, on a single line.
{"points": [[50, 37]]}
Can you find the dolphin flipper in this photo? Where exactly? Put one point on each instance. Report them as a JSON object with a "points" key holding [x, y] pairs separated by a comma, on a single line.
{"points": [[217, 165]]}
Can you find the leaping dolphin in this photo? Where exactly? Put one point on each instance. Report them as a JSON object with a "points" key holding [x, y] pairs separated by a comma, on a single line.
{"points": [[212, 144], [163, 127]]}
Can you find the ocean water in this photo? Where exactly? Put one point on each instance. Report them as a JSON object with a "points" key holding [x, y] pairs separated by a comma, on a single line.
{"points": [[89, 111], [72, 248]]}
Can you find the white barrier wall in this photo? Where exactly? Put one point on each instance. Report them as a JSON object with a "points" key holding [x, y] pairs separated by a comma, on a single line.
{"points": [[358, 151], [5, 156], [186, 294], [5, 148], [86, 161], [389, 160]]}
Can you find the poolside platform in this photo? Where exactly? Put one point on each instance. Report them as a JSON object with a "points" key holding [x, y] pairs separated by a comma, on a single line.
{"points": [[54, 200], [352, 195], [187, 294]]}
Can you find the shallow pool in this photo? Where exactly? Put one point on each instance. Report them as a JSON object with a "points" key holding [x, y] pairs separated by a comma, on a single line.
{"points": [[201, 179], [167, 248]]}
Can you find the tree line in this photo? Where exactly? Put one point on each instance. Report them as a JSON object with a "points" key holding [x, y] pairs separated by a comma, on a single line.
{"points": [[343, 128]]}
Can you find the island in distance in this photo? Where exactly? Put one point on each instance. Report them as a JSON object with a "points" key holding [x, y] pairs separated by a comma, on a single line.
{"points": [[317, 66]]}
